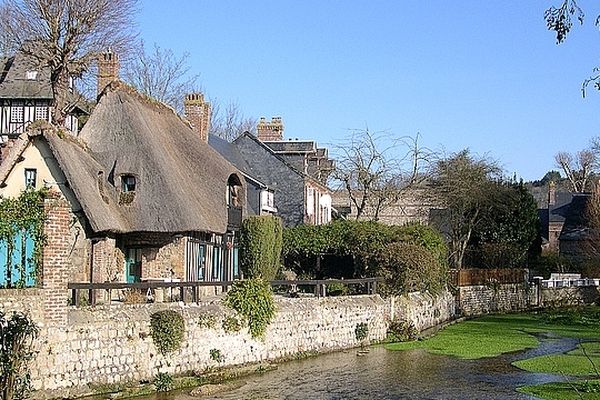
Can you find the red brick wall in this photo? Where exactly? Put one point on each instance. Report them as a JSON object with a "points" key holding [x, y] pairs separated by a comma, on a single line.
{"points": [[55, 272]]}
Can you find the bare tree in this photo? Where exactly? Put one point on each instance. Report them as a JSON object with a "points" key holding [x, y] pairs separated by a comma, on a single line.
{"points": [[577, 168], [229, 122], [462, 183], [66, 36], [372, 175], [160, 74]]}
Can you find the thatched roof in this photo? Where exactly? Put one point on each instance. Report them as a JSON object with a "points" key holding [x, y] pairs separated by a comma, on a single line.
{"points": [[181, 182]]}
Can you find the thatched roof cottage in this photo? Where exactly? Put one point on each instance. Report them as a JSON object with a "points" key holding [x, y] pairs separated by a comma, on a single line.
{"points": [[148, 199]]}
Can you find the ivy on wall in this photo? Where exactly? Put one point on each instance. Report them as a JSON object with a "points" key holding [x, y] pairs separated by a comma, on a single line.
{"points": [[253, 300], [260, 247], [167, 329], [23, 215]]}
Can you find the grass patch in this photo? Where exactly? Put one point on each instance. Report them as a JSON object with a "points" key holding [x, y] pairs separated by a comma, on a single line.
{"points": [[483, 337], [574, 362], [578, 390], [493, 335]]}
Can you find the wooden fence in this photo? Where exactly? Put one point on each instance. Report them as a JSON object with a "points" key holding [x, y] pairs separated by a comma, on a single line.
{"points": [[476, 276], [189, 291]]}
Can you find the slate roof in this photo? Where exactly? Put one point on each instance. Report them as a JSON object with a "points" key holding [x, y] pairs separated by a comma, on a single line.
{"points": [[13, 78], [229, 151], [576, 223]]}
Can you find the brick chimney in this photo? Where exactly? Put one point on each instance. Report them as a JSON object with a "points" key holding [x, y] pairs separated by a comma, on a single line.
{"points": [[551, 194], [270, 131], [197, 111], [108, 69]]}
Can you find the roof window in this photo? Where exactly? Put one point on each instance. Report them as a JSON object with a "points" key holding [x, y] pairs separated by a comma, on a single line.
{"points": [[31, 75]]}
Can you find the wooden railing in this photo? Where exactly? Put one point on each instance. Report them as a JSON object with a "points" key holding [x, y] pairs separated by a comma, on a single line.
{"points": [[190, 291]]}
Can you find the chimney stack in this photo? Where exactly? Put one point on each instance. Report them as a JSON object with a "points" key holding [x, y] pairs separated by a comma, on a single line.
{"points": [[270, 131], [197, 111], [108, 69], [551, 194]]}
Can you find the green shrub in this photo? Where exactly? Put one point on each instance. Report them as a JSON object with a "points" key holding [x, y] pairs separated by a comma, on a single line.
{"points": [[207, 321], [216, 355], [401, 331], [361, 331], [253, 300], [167, 328], [231, 324], [337, 289], [17, 335], [163, 382], [409, 268], [260, 247], [352, 242]]}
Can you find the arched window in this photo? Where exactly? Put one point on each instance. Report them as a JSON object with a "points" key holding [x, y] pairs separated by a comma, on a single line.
{"points": [[234, 191]]}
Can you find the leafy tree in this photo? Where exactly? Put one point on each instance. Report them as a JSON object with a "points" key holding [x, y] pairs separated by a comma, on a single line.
{"points": [[508, 227], [462, 183], [162, 75], [66, 36]]}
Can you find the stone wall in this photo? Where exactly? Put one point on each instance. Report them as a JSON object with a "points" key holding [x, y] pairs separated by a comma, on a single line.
{"points": [[111, 345], [483, 299], [569, 296], [423, 310]]}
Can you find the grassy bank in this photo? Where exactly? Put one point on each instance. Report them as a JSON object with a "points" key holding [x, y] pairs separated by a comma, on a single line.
{"points": [[493, 335]]}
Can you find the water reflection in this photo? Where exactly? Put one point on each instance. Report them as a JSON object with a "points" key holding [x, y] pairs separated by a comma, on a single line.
{"points": [[391, 375]]}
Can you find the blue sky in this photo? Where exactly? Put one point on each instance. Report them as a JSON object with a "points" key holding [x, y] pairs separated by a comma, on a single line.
{"points": [[486, 75]]}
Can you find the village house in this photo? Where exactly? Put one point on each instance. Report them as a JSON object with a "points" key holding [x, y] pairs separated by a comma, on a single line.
{"points": [[26, 96], [141, 197], [259, 197], [412, 205], [564, 225], [294, 181]]}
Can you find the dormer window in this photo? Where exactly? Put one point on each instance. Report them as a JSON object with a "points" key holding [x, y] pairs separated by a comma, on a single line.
{"points": [[128, 183], [31, 75]]}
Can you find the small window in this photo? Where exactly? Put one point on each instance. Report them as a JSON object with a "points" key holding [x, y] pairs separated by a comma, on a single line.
{"points": [[31, 75], [41, 111], [30, 177], [16, 111], [128, 183]]}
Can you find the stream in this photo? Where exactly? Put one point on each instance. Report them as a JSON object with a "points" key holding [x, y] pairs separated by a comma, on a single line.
{"points": [[390, 375]]}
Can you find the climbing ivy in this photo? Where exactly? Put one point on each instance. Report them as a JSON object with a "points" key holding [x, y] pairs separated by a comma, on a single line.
{"points": [[24, 214], [253, 300]]}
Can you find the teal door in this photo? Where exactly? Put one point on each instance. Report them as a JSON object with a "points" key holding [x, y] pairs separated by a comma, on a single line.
{"points": [[133, 265]]}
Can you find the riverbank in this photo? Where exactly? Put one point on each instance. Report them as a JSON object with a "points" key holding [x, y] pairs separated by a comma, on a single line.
{"points": [[492, 336]]}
